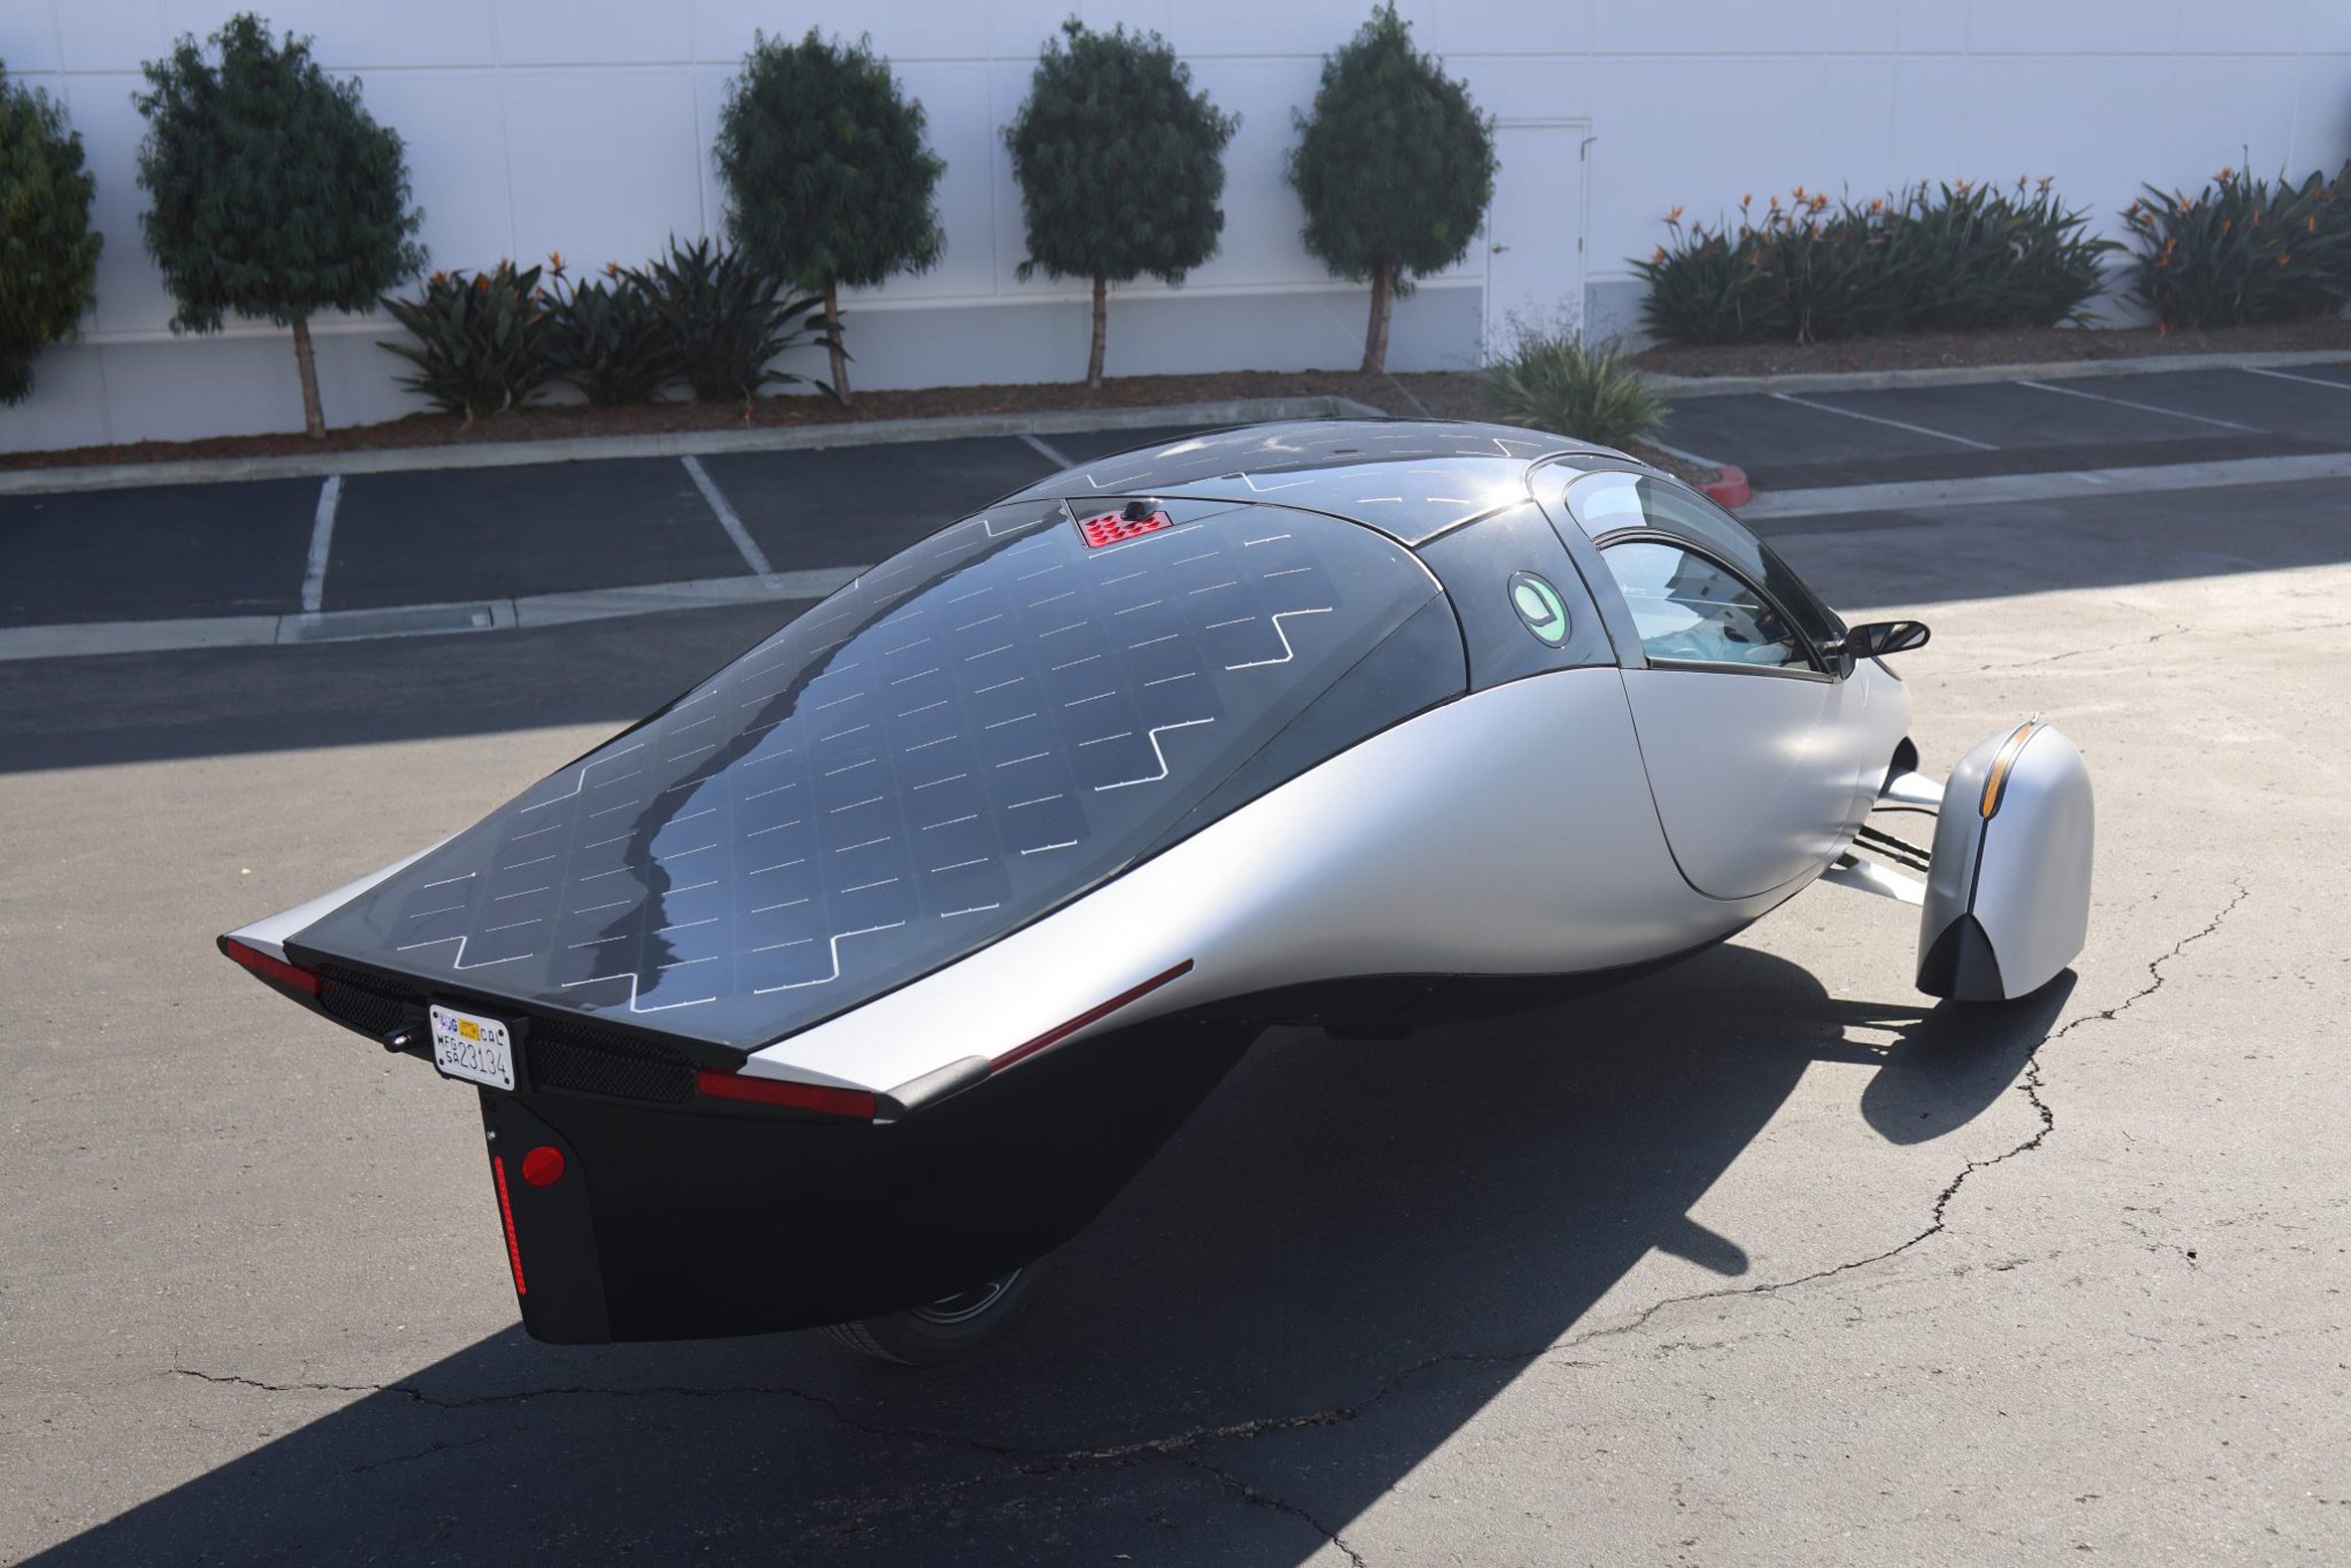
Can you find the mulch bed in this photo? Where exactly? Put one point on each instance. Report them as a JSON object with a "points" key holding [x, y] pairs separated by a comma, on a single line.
{"points": [[2008, 346], [782, 412]]}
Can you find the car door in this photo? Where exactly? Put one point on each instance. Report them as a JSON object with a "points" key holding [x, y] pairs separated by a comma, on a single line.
{"points": [[1761, 755]]}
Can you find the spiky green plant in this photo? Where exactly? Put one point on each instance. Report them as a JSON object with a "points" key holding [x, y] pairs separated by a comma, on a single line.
{"points": [[478, 340], [1552, 379], [2242, 250]]}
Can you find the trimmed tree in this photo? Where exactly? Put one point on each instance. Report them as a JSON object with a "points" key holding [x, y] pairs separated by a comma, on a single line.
{"points": [[1395, 167], [273, 194], [829, 180], [1121, 164], [48, 256]]}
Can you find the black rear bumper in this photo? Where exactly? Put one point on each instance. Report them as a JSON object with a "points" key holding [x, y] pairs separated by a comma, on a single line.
{"points": [[706, 1217]]}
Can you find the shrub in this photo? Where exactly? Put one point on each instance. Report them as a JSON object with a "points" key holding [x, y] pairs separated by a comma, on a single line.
{"points": [[1395, 165], [272, 193], [1980, 256], [48, 256], [727, 319], [1952, 258], [1121, 165], [478, 340], [1552, 379], [2242, 250], [827, 177], [605, 336]]}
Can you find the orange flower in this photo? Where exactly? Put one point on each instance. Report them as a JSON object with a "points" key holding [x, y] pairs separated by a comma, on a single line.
{"points": [[1876, 204], [1657, 256], [439, 278], [1964, 187], [1799, 192], [2227, 224], [1743, 201], [2284, 257], [2186, 207], [612, 269], [1819, 202], [481, 282], [555, 260], [1674, 216], [2226, 175], [2311, 222], [1776, 203]]}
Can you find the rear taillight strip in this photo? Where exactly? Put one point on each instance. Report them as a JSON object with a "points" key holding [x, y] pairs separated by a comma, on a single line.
{"points": [[275, 971], [822, 1097], [506, 1213], [1060, 1032]]}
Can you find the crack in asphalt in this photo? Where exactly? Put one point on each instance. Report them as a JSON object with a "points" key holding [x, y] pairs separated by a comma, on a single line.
{"points": [[2077, 654], [1182, 1447]]}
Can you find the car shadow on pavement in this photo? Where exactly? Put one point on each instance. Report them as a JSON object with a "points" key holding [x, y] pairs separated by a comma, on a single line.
{"points": [[1348, 1252]]}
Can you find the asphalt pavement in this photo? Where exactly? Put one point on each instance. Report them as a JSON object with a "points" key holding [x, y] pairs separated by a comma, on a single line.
{"points": [[1764, 1260]]}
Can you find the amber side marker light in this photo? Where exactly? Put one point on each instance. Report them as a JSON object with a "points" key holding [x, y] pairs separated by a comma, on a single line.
{"points": [[1996, 782], [275, 971]]}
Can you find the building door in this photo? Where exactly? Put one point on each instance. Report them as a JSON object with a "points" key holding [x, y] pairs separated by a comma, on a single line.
{"points": [[1535, 229]]}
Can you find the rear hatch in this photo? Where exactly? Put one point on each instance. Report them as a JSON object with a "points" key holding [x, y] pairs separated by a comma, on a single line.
{"points": [[970, 735]]}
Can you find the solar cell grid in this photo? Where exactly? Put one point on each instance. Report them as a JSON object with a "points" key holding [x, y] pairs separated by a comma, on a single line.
{"points": [[967, 736]]}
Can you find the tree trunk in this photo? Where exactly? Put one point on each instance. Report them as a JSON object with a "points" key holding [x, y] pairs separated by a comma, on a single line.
{"points": [[1101, 332], [1383, 288], [840, 359], [313, 418]]}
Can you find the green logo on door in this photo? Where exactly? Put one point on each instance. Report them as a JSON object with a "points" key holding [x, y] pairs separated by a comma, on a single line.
{"points": [[1539, 605]]}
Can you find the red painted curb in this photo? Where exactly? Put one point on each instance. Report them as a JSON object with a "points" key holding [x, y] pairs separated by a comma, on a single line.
{"points": [[1730, 487]]}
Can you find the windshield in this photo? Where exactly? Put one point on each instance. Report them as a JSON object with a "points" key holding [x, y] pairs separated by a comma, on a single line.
{"points": [[969, 734]]}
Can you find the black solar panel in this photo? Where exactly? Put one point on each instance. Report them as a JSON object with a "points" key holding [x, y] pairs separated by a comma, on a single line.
{"points": [[962, 739]]}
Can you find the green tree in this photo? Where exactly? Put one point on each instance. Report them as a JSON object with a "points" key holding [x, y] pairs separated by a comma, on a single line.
{"points": [[1395, 167], [272, 193], [1121, 164], [829, 180], [48, 256]]}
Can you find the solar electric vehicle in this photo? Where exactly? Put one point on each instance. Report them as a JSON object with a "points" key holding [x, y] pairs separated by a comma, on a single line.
{"points": [[866, 972]]}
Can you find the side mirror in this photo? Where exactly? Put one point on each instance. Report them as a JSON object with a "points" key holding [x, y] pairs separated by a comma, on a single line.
{"points": [[1880, 637]]}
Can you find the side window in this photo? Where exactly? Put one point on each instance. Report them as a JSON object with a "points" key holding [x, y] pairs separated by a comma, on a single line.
{"points": [[1690, 611], [1604, 503]]}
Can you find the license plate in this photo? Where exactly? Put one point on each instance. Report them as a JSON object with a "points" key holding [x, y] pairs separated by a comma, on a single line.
{"points": [[468, 1045]]}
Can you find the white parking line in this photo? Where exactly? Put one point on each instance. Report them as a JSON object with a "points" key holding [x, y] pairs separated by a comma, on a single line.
{"points": [[2143, 407], [2307, 381], [322, 533], [1049, 449], [1916, 429], [752, 556]]}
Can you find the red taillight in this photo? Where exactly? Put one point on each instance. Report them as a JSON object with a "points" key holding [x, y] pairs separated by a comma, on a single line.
{"points": [[506, 1213], [1062, 1032], [543, 1166], [275, 971], [822, 1098]]}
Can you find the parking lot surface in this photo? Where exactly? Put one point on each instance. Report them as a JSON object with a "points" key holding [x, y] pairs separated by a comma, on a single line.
{"points": [[377, 541], [1788, 440], [1764, 1260]]}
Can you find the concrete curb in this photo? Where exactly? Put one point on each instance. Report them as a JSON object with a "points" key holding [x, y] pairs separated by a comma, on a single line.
{"points": [[679, 444], [1976, 375], [85, 639]]}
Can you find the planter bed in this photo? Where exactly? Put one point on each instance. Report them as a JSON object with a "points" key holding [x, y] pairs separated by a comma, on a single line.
{"points": [[2005, 346]]}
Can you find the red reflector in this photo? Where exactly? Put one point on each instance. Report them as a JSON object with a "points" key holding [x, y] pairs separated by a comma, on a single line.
{"points": [[832, 1102], [277, 971], [506, 1213], [1062, 1032], [543, 1166], [1113, 528]]}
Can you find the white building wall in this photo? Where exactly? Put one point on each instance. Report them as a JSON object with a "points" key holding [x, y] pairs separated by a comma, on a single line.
{"points": [[583, 125]]}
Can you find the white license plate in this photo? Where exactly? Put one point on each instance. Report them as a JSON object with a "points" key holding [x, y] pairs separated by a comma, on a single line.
{"points": [[468, 1045]]}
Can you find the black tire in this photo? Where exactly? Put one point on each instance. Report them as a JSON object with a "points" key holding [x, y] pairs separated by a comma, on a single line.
{"points": [[942, 1331]]}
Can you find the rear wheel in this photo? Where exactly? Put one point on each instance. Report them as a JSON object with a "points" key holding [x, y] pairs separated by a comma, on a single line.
{"points": [[939, 1330]]}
